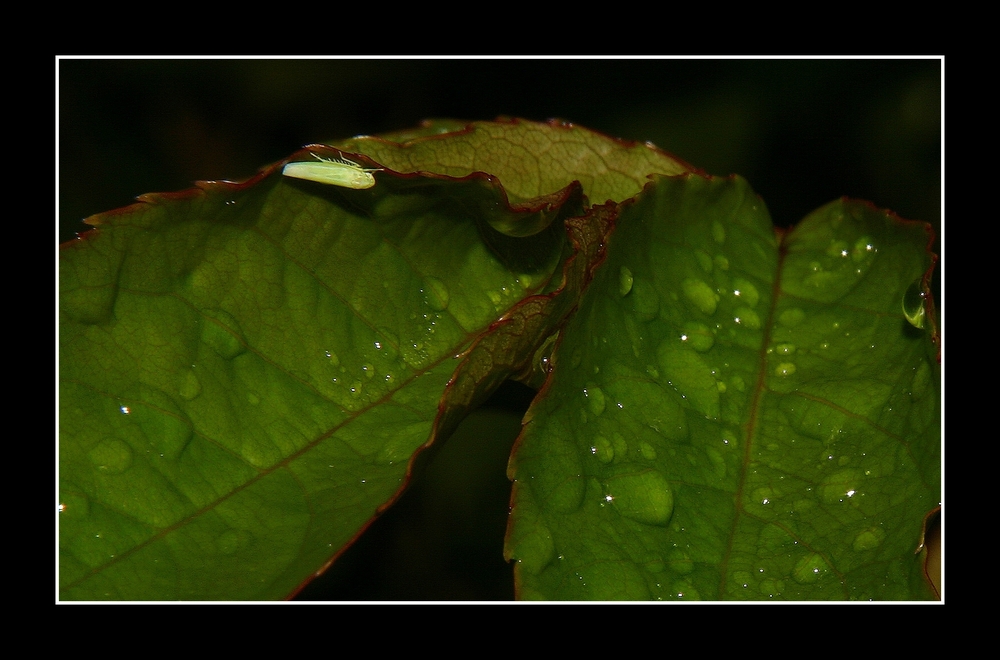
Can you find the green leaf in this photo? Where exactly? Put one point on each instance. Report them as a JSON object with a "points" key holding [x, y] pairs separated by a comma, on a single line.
{"points": [[734, 414], [248, 371]]}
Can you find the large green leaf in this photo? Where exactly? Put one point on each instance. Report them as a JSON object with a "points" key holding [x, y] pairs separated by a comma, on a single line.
{"points": [[248, 370], [734, 414]]}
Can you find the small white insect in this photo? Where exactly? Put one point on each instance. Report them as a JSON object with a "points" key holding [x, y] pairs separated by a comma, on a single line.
{"points": [[333, 171]]}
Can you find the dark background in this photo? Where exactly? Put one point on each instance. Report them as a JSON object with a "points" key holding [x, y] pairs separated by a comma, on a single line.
{"points": [[802, 132]]}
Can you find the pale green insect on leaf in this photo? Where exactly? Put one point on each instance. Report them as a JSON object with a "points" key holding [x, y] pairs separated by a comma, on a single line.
{"points": [[333, 171]]}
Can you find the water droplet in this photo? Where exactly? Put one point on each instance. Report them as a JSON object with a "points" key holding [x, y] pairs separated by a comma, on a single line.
{"points": [[721, 262], [190, 385], [701, 295], [620, 444], [644, 496], [863, 250], [652, 371], [692, 378], [535, 549], [747, 318], [647, 451], [369, 370], [810, 569], [595, 399], [221, 332], [837, 248], [762, 496], [784, 369], [437, 294], [785, 349], [232, 541], [718, 232], [914, 307], [111, 456], [840, 486], [746, 292], [333, 357], [542, 359], [602, 449], [869, 539], [624, 281], [698, 336]]}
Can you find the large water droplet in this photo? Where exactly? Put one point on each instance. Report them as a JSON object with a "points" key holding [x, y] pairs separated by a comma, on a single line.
{"points": [[535, 549], [840, 486], [747, 318], [111, 456], [603, 449], [644, 496], [190, 385], [647, 451], [914, 307], [437, 294], [692, 378], [810, 569], [701, 295], [869, 539], [624, 281], [232, 541], [837, 248], [718, 232], [595, 399], [222, 333], [746, 292], [863, 250], [785, 369], [698, 336]]}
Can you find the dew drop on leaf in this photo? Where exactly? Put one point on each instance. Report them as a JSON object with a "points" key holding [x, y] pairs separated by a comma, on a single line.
{"points": [[809, 569], [747, 318], [111, 456], [869, 539], [914, 304], [784, 369], [624, 281], [595, 399], [698, 336], [746, 291], [603, 449], [222, 333], [701, 295], [718, 232], [190, 386], [437, 294], [643, 496]]}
